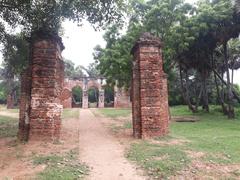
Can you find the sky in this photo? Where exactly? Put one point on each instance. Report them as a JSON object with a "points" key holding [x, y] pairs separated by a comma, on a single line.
{"points": [[79, 42]]}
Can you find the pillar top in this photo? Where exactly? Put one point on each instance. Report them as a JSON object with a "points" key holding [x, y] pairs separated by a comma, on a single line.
{"points": [[43, 35], [147, 39]]}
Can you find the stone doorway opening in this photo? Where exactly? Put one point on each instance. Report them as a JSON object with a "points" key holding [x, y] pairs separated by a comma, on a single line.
{"points": [[77, 94], [108, 96], [93, 97]]}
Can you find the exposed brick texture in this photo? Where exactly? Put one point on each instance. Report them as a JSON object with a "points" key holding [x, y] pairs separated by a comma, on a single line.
{"points": [[121, 98], [149, 87], [25, 101], [10, 101], [41, 106]]}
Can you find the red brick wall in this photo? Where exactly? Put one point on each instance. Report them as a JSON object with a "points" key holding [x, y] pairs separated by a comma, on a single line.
{"points": [[66, 98], [150, 95]]}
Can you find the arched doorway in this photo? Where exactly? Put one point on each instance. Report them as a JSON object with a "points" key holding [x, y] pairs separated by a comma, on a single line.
{"points": [[77, 97], [108, 96], [93, 96]]}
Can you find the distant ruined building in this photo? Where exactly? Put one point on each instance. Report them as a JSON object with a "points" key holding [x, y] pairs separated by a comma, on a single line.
{"points": [[121, 96]]}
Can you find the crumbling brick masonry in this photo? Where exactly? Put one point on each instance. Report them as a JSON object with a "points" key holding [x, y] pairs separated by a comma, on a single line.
{"points": [[150, 95], [40, 107]]}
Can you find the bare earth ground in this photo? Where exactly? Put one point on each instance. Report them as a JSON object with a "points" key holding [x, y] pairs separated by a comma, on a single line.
{"points": [[102, 152], [99, 149], [16, 158]]}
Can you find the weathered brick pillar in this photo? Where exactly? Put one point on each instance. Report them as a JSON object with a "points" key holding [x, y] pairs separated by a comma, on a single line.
{"points": [[121, 98], [66, 98], [25, 101], [43, 110], [85, 99], [10, 101], [150, 95], [101, 98]]}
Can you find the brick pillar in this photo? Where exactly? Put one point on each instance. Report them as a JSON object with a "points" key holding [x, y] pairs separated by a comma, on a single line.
{"points": [[24, 108], [10, 101], [85, 94], [42, 110], [66, 98], [150, 95], [121, 98], [101, 98], [85, 99]]}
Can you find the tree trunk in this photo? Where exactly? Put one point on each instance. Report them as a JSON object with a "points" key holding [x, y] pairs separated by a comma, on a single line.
{"points": [[204, 76], [185, 93], [219, 97], [229, 88], [223, 82], [198, 98]]}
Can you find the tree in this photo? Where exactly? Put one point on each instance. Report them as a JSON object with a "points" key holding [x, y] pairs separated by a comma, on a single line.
{"points": [[47, 15]]}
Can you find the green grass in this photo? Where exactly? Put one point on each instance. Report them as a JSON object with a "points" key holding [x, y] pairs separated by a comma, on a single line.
{"points": [[114, 113], [61, 167], [70, 113], [217, 137], [8, 126], [160, 161], [214, 134]]}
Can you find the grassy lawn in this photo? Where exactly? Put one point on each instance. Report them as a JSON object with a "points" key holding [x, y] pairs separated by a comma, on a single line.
{"points": [[213, 140], [113, 113], [8, 124], [70, 113]]}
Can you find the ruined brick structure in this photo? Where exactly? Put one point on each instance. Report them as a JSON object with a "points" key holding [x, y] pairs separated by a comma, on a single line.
{"points": [[149, 87], [121, 99], [41, 87], [10, 101]]}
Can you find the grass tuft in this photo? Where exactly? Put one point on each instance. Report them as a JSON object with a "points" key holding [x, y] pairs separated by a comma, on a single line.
{"points": [[60, 167]]}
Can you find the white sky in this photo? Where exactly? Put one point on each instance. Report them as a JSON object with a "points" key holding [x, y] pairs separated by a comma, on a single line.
{"points": [[80, 41]]}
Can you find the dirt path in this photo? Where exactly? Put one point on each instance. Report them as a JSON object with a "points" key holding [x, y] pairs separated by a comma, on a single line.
{"points": [[102, 152]]}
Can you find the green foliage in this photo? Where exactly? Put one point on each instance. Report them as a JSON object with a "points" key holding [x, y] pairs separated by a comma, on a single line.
{"points": [[15, 55], [77, 94], [108, 94], [3, 94], [114, 62], [48, 15], [93, 94]]}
